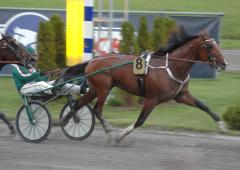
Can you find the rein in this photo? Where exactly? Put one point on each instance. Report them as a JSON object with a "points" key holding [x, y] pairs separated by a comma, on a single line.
{"points": [[166, 67], [10, 62], [185, 60]]}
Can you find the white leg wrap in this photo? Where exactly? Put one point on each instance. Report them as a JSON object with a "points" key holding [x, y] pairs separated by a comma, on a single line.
{"points": [[222, 126], [125, 132]]}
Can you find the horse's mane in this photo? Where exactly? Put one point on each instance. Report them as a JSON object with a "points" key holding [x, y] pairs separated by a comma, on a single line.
{"points": [[176, 39]]}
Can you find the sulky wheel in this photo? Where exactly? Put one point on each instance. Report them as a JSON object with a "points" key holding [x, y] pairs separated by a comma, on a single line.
{"points": [[38, 129], [81, 128]]}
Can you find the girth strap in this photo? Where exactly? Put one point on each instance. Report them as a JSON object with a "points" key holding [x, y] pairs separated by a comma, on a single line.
{"points": [[140, 78], [141, 85]]}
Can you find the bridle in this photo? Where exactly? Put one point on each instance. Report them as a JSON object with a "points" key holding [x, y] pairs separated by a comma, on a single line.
{"points": [[211, 59]]}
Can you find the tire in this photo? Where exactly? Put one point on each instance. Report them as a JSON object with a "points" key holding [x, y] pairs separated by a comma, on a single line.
{"points": [[78, 130], [39, 131]]}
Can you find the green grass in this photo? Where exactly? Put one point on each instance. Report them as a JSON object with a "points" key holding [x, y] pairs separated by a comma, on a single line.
{"points": [[218, 94], [230, 44], [231, 24], [33, 3]]}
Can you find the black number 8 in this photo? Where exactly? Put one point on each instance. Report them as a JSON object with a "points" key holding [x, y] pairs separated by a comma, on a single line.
{"points": [[139, 63]]}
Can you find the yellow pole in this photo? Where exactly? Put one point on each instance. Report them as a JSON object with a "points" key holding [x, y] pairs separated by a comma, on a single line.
{"points": [[74, 31]]}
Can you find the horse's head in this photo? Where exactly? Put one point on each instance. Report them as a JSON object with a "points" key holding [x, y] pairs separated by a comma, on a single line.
{"points": [[210, 52], [11, 50]]}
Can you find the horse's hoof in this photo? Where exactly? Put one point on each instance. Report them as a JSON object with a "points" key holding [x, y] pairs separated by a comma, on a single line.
{"points": [[12, 129], [118, 139], [222, 126], [109, 138]]}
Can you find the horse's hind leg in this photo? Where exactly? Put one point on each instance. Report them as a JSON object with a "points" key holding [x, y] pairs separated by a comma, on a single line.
{"points": [[188, 99], [98, 108], [148, 106]]}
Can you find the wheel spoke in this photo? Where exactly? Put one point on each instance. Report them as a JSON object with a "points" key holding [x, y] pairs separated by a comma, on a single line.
{"points": [[83, 114], [70, 127], [34, 132], [79, 132], [83, 128], [38, 131], [42, 117], [87, 124], [74, 134], [29, 132], [27, 127]]}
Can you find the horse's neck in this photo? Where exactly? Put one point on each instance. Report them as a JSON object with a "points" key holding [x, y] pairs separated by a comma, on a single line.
{"points": [[188, 51]]}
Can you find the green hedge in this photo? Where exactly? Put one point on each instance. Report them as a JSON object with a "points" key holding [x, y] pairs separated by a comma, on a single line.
{"points": [[232, 117], [51, 43]]}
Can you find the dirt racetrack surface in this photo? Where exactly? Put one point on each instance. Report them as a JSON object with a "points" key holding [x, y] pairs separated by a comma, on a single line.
{"points": [[233, 59], [142, 150]]}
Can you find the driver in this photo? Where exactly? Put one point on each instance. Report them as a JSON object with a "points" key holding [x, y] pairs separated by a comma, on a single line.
{"points": [[28, 80]]}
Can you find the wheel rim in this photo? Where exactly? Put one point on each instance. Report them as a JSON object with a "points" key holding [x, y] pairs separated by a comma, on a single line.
{"points": [[81, 128], [36, 130]]}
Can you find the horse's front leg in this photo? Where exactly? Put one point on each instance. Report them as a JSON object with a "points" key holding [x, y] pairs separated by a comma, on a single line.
{"points": [[148, 106], [187, 98]]}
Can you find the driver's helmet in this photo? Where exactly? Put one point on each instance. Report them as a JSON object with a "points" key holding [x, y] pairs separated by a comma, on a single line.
{"points": [[33, 59], [32, 51]]}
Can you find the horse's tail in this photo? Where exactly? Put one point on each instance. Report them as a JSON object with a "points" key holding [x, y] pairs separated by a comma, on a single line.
{"points": [[76, 69], [72, 72]]}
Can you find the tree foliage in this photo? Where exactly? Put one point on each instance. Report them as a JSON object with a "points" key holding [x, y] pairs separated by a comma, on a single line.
{"points": [[51, 43], [143, 35], [59, 40], [162, 28], [46, 46], [127, 42]]}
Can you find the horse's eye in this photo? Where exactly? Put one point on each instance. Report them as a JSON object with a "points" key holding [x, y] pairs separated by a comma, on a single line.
{"points": [[14, 45], [4, 45], [208, 46]]}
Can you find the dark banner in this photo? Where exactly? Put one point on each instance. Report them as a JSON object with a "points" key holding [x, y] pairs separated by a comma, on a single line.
{"points": [[22, 24]]}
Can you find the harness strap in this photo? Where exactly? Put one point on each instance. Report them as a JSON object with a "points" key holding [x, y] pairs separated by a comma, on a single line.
{"points": [[141, 85], [181, 82], [147, 62]]}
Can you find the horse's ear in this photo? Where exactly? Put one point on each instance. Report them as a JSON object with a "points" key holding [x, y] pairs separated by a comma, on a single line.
{"points": [[1, 36], [204, 32]]}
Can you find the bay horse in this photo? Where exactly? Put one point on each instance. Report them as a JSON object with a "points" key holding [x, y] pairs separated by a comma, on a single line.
{"points": [[167, 78], [11, 52]]}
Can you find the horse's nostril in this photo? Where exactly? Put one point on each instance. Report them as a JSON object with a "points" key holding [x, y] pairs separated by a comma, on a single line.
{"points": [[225, 63]]}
